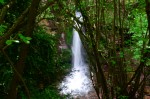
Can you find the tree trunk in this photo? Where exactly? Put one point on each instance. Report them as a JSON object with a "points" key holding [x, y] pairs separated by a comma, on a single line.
{"points": [[24, 51]]}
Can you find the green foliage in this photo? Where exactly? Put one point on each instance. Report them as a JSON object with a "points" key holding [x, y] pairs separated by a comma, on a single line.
{"points": [[6, 74], [113, 62], [138, 26], [123, 97], [69, 34], [43, 56], [2, 1], [139, 23], [41, 60], [46, 14], [65, 60], [9, 42], [48, 93], [24, 39], [2, 29], [148, 63], [121, 54], [45, 66]]}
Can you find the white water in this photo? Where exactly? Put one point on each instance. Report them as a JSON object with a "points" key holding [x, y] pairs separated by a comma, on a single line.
{"points": [[78, 81]]}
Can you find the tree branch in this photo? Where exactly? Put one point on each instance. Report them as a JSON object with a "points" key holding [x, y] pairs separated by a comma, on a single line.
{"points": [[4, 10]]}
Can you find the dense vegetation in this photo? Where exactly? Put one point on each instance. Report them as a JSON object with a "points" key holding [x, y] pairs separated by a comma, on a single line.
{"points": [[114, 33]]}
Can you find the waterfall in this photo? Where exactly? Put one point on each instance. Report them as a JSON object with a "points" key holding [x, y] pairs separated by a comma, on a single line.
{"points": [[78, 81]]}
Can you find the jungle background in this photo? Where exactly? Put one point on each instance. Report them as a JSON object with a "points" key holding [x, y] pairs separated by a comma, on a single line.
{"points": [[35, 57]]}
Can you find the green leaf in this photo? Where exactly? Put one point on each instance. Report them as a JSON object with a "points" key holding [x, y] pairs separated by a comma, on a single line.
{"points": [[16, 41], [28, 38], [113, 62], [9, 42], [25, 39], [21, 36], [121, 54], [27, 42], [142, 60]]}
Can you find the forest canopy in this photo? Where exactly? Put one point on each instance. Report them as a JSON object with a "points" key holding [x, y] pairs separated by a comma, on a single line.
{"points": [[35, 57]]}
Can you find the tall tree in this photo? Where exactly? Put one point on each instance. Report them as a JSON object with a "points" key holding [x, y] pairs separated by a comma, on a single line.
{"points": [[19, 67]]}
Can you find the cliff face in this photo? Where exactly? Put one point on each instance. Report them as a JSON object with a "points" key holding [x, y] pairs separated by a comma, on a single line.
{"points": [[51, 27]]}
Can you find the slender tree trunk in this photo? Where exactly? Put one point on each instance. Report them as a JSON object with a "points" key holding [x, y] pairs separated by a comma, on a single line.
{"points": [[19, 67], [24, 51]]}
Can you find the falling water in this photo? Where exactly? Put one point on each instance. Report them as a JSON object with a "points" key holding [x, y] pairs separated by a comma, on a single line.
{"points": [[77, 82]]}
